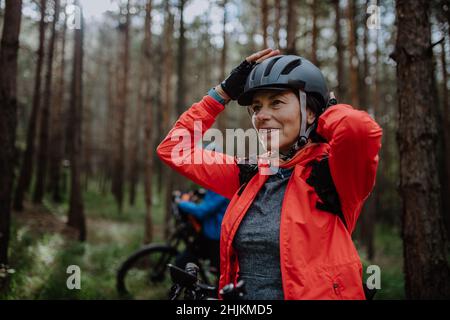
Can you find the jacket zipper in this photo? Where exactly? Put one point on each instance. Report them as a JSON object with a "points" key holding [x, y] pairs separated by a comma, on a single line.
{"points": [[337, 289]]}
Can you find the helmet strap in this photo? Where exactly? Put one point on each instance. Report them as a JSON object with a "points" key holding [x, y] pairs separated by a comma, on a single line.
{"points": [[304, 132], [257, 132]]}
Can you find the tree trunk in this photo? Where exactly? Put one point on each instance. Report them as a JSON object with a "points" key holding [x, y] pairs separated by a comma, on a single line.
{"points": [[265, 21], [181, 182], [276, 33], [167, 200], [368, 213], [159, 115], [377, 112], [119, 174], [181, 90], [26, 171], [292, 26], [87, 133], [56, 154], [1, 16], [253, 22], [115, 115], [134, 147], [367, 226], [353, 61], [341, 94], [110, 130], [43, 154], [222, 118], [376, 77], [166, 105], [207, 56], [76, 217], [8, 116], [364, 88], [148, 237], [446, 138], [427, 274], [135, 135], [314, 33]]}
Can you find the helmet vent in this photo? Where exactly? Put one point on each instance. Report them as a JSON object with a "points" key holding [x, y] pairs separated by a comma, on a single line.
{"points": [[253, 74], [270, 66], [291, 66]]}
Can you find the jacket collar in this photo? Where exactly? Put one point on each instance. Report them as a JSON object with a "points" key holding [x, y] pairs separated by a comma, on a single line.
{"points": [[306, 154]]}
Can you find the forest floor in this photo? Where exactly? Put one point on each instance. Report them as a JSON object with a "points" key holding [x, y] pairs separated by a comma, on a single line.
{"points": [[42, 247]]}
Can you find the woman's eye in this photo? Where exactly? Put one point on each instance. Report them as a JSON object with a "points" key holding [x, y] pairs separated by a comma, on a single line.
{"points": [[256, 108], [277, 102]]}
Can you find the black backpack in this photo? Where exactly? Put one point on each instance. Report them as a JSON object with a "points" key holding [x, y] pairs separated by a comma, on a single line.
{"points": [[321, 180]]}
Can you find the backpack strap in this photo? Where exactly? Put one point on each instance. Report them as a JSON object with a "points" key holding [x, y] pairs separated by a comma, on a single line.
{"points": [[246, 173], [322, 182]]}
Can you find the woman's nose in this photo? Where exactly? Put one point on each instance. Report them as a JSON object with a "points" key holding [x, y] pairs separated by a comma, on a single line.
{"points": [[263, 115]]}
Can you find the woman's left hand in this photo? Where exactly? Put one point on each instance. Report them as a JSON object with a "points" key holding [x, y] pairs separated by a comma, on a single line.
{"points": [[233, 86]]}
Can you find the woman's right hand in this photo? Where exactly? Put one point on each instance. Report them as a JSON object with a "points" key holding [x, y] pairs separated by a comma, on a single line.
{"points": [[233, 86]]}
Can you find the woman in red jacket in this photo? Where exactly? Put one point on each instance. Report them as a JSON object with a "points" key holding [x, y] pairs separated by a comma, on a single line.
{"points": [[288, 234]]}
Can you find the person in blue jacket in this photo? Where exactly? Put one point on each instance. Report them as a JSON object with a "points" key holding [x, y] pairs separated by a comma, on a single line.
{"points": [[210, 213]]}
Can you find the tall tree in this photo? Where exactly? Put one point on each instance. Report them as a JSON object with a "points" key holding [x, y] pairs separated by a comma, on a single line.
{"points": [[181, 61], [181, 77], [118, 179], [222, 118], [441, 14], [56, 145], [166, 105], [251, 27], [367, 223], [276, 32], [148, 111], [446, 136], [340, 52], [160, 125], [353, 56], [134, 161], [43, 153], [8, 116], [292, 27], [265, 21], [315, 32], [88, 121], [207, 56], [109, 129], [76, 216], [135, 141], [427, 273], [364, 71], [1, 15], [26, 171]]}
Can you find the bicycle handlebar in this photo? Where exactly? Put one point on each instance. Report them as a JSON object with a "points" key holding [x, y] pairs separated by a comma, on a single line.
{"points": [[194, 290]]}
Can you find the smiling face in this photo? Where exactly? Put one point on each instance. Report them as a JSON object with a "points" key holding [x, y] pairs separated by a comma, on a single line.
{"points": [[279, 111]]}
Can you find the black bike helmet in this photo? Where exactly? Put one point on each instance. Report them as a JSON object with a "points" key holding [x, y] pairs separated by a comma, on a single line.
{"points": [[286, 71]]}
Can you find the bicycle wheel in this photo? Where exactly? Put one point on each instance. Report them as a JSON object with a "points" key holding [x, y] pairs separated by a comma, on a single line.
{"points": [[144, 274]]}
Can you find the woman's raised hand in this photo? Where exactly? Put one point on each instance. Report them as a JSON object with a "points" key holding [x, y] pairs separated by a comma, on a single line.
{"points": [[262, 55], [233, 86]]}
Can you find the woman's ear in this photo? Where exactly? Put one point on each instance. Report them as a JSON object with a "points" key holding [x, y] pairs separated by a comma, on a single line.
{"points": [[310, 116]]}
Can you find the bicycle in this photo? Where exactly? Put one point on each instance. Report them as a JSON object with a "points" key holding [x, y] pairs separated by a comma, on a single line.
{"points": [[147, 267]]}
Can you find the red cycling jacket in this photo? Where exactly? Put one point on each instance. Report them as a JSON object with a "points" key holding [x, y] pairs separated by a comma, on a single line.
{"points": [[317, 256]]}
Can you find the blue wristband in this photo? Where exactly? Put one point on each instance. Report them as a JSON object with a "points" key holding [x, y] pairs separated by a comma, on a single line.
{"points": [[213, 93]]}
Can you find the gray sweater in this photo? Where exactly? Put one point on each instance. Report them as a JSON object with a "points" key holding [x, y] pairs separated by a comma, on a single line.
{"points": [[257, 241]]}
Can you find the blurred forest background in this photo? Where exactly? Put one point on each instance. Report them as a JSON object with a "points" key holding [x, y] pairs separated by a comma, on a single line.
{"points": [[95, 85]]}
